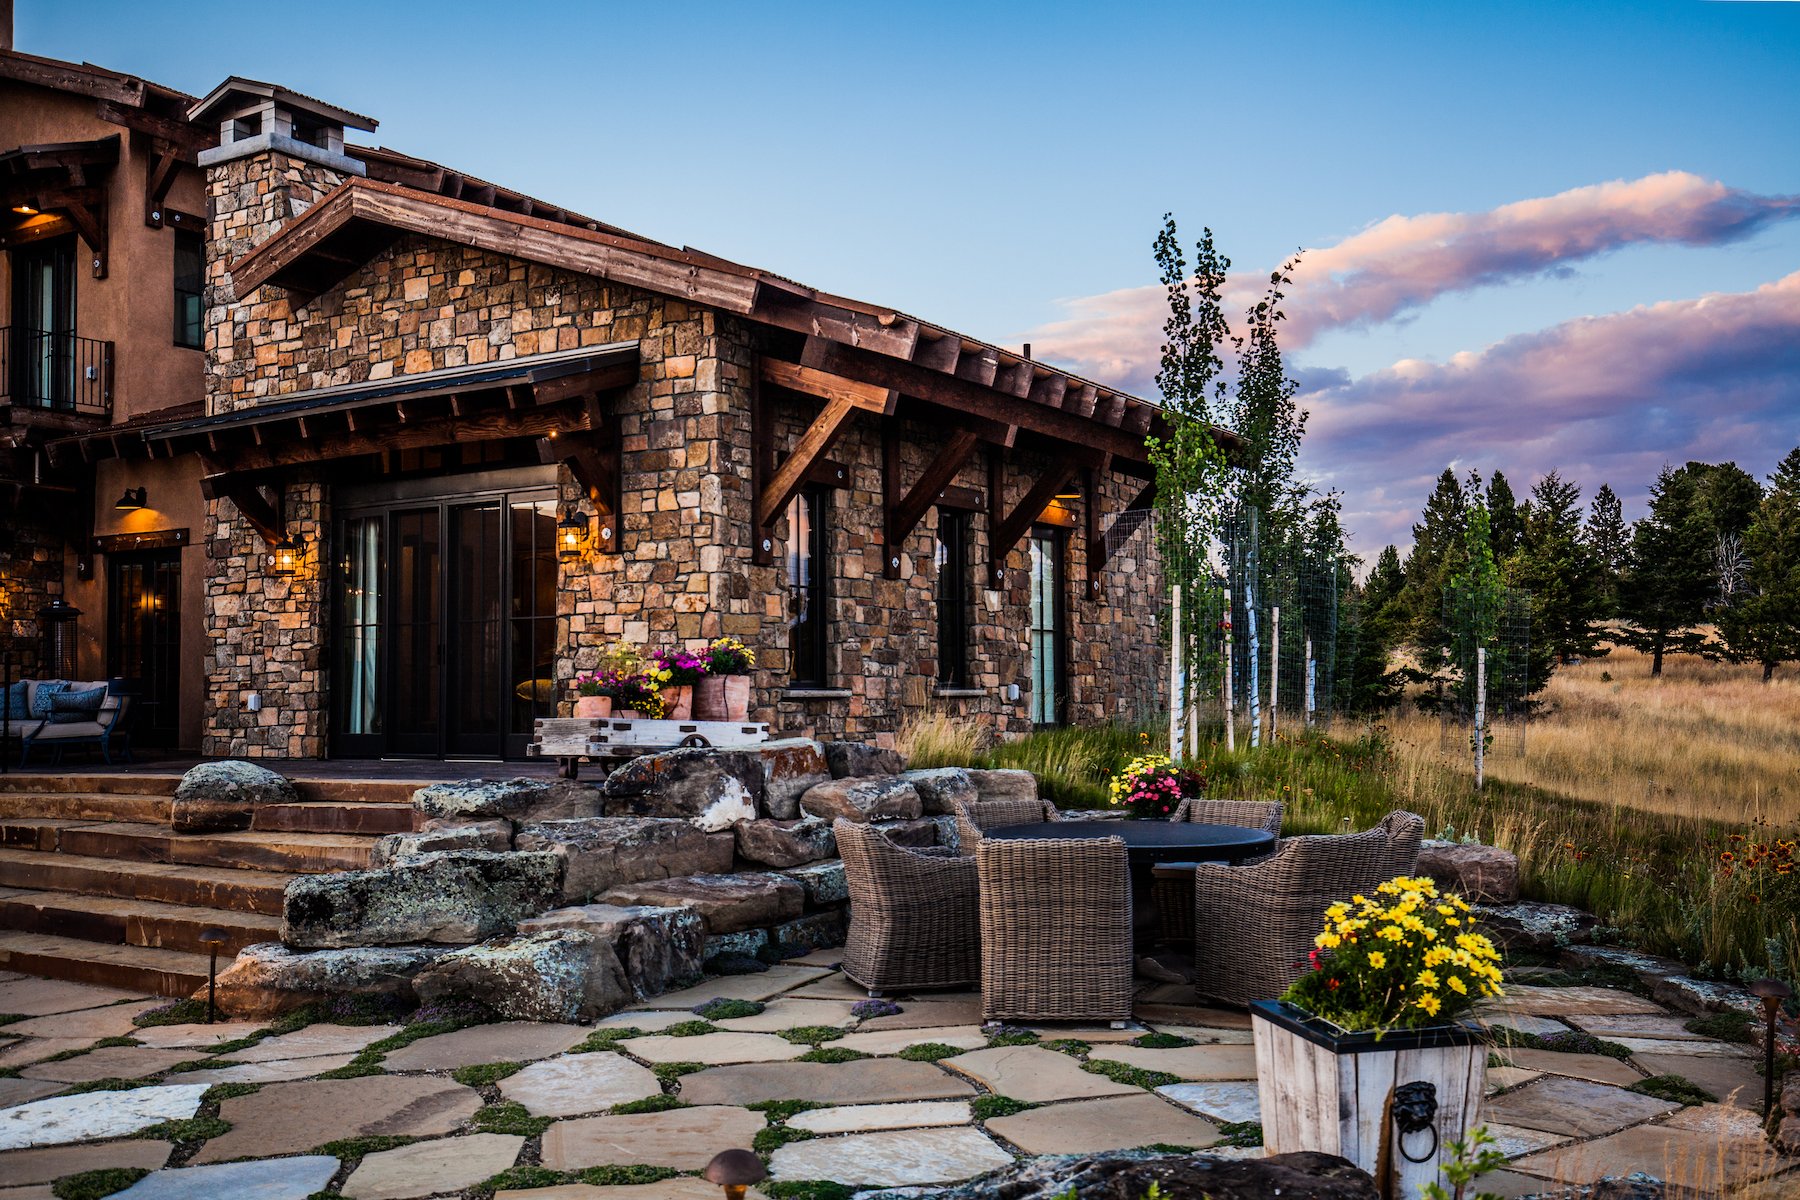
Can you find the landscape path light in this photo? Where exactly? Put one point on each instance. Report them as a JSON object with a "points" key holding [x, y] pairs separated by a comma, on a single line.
{"points": [[212, 937], [735, 1171], [1773, 993]]}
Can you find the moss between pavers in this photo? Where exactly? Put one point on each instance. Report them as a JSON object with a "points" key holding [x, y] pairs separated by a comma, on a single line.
{"points": [[778, 1112], [1675, 1088], [508, 1116], [668, 1073], [831, 1054], [1730, 1026], [1008, 1036], [9, 1018], [1573, 1042], [1125, 1073], [482, 1074], [218, 1093], [91, 1185], [1162, 1041], [649, 1104], [178, 1012], [606, 1039], [929, 1052], [986, 1108], [773, 1137], [356, 1147], [1074, 1047], [811, 1035], [186, 1129], [111, 1084], [1241, 1133], [690, 1029], [721, 1009], [805, 1189], [541, 1177]]}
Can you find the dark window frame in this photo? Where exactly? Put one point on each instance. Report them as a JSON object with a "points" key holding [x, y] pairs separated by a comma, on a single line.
{"points": [[953, 599], [188, 330], [808, 640], [1058, 631]]}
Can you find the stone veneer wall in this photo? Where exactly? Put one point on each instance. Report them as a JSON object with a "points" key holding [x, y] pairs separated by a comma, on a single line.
{"points": [[31, 575]]}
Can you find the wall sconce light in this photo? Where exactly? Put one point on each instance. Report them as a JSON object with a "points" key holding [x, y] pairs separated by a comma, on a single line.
{"points": [[134, 498], [284, 559], [25, 210], [570, 532], [1069, 491]]}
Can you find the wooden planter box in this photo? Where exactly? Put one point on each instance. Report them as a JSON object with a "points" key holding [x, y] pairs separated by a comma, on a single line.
{"points": [[1345, 1093], [571, 739]]}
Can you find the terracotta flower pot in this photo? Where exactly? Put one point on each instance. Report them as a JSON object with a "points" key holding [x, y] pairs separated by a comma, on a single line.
{"points": [[709, 699], [680, 703], [737, 697], [593, 706], [629, 714]]}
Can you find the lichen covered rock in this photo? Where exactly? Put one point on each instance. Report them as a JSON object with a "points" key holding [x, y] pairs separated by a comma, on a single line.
{"points": [[1532, 926], [863, 800], [942, 788], [686, 783], [553, 975], [850, 760], [823, 882], [455, 897], [786, 843], [1004, 784], [660, 947], [1484, 874], [514, 799], [599, 853], [442, 834], [220, 797], [268, 979], [789, 767], [726, 903]]}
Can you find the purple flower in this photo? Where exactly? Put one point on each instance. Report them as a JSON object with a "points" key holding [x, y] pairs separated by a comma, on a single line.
{"points": [[863, 1009]]}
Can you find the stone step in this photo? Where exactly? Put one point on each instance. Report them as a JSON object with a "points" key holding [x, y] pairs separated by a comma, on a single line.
{"points": [[358, 791], [224, 888], [147, 923], [370, 818], [302, 853], [91, 783], [85, 806], [138, 968]]}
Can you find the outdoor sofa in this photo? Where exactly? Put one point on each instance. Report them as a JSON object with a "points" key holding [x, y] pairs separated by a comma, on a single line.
{"points": [[54, 732]]}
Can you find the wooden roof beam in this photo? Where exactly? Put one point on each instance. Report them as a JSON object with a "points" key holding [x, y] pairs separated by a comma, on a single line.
{"points": [[794, 469], [826, 386], [904, 512], [1013, 526]]}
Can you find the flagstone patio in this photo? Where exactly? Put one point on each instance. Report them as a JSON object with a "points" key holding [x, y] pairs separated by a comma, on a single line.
{"points": [[78, 1099]]}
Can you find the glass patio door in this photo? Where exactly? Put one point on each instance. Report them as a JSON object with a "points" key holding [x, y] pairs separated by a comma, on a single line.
{"points": [[143, 642], [1047, 627]]}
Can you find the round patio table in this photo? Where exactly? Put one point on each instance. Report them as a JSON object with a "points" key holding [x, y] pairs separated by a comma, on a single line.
{"points": [[1147, 844]]}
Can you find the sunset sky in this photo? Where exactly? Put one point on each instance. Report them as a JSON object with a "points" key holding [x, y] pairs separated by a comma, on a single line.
{"points": [[1537, 235]]}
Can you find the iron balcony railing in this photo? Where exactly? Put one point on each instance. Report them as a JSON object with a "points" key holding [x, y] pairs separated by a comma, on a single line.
{"points": [[46, 369]]}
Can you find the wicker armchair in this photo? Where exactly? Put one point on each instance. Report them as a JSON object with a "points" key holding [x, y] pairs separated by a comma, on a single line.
{"points": [[1251, 814], [1055, 930], [1173, 883], [973, 816], [1254, 925], [913, 918]]}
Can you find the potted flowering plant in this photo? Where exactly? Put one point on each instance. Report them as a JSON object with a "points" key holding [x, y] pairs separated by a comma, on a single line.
{"points": [[1150, 787], [597, 689], [1364, 1055], [640, 694], [681, 670], [724, 693]]}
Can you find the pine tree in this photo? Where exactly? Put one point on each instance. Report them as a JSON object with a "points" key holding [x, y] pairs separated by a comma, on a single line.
{"points": [[1437, 553], [1370, 683], [1505, 517], [1610, 543], [1763, 626], [1670, 578], [1386, 578], [1562, 575]]}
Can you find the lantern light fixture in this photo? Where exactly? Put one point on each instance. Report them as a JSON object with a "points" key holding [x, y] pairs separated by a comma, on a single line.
{"points": [[284, 557], [133, 499], [569, 534]]}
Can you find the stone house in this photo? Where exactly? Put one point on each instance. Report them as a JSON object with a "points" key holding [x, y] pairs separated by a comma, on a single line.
{"points": [[454, 442]]}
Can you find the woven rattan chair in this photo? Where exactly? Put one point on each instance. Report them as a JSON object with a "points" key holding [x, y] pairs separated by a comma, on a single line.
{"points": [[1173, 883], [1251, 814], [913, 918], [1255, 924], [973, 816], [1055, 929]]}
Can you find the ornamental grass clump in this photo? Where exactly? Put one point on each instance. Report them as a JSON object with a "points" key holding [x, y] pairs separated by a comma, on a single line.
{"points": [[1406, 958], [1150, 787]]}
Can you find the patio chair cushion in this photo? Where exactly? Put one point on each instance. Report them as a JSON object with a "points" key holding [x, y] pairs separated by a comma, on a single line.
{"points": [[17, 704], [41, 691], [70, 707], [88, 728]]}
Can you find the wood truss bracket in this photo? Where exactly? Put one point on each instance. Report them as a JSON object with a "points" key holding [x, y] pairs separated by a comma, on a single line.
{"points": [[266, 514], [165, 159], [903, 512], [1005, 529], [778, 483], [86, 208], [593, 461], [1096, 540]]}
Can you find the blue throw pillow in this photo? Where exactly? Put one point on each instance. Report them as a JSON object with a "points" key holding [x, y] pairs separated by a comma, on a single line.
{"points": [[67, 708], [18, 701], [40, 697]]}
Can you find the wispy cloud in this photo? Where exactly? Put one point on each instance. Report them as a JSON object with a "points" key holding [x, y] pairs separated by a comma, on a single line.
{"points": [[1404, 262]]}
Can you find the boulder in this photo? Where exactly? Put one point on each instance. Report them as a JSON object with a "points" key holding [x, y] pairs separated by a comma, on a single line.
{"points": [[1004, 784], [725, 903], [849, 760], [556, 975], [659, 947], [477, 799], [1787, 1135], [918, 834], [693, 783], [598, 853], [786, 843], [1477, 873], [442, 834], [221, 797], [823, 882], [268, 979], [1130, 1174], [732, 953], [455, 896], [1532, 926], [862, 800], [818, 931], [942, 788], [1697, 997], [789, 767]]}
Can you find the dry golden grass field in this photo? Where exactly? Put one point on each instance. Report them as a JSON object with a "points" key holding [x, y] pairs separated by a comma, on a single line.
{"points": [[1706, 740]]}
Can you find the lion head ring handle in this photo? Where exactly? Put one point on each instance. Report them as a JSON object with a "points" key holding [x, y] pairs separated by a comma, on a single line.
{"points": [[1415, 1111]]}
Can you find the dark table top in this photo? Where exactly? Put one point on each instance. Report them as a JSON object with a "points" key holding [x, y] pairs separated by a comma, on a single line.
{"points": [[1153, 841]]}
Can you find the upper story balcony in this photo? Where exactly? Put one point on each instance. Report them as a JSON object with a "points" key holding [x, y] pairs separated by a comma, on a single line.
{"points": [[51, 372]]}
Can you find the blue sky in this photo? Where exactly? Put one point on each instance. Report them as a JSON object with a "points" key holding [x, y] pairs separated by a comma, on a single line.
{"points": [[984, 166]]}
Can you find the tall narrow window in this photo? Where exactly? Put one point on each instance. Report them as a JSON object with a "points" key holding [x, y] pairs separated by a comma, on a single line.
{"points": [[190, 276], [953, 599], [1047, 633], [806, 575]]}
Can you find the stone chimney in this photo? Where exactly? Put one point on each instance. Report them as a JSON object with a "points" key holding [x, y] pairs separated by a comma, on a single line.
{"points": [[6, 24]]}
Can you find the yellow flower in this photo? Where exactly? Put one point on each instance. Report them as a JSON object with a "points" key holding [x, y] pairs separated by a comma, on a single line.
{"points": [[1427, 980], [1377, 959], [1390, 933], [1429, 1003], [1458, 986], [1328, 941]]}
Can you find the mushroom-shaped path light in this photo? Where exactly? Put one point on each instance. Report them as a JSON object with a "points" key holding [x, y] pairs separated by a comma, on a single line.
{"points": [[1773, 993], [212, 937], [735, 1170]]}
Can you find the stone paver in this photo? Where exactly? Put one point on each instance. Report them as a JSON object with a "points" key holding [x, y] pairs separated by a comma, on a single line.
{"points": [[109, 1062], [24, 1091], [764, 985], [927, 1014], [1094, 1034], [1116, 1123], [892, 1041], [1209, 1036], [684, 1187], [91, 1116], [1596, 1068], [648, 1020], [1613, 1026], [270, 1179], [869, 1081], [1569, 1002], [1163, 1015], [284, 1118], [53, 1162], [1033, 1074], [1574, 1106], [315, 1041], [90, 1023], [866, 1118], [914, 1156], [1189, 1062], [579, 1083], [1642, 1045], [1501, 1078], [1516, 1140], [682, 1138], [1523, 1023], [786, 1013], [1700, 1161], [717, 1048], [427, 1168], [1230, 1101], [30, 1050], [281, 1070], [836, 986], [1733, 1079], [31, 997], [162, 1037], [508, 1041]]}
